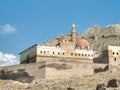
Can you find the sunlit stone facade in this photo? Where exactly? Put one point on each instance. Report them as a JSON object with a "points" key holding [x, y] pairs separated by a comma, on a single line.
{"points": [[65, 49]]}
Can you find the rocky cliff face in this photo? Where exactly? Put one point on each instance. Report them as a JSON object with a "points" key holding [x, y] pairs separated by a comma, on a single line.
{"points": [[99, 37]]}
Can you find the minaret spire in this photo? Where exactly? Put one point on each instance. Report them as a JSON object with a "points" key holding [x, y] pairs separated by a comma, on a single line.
{"points": [[73, 33], [73, 25]]}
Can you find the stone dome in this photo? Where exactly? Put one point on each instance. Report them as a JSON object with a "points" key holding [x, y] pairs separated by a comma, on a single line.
{"points": [[82, 43]]}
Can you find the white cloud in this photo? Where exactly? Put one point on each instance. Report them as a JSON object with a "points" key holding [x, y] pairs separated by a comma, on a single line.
{"points": [[7, 28], [7, 59]]}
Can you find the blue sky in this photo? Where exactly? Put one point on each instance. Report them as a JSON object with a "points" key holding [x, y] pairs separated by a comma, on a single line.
{"points": [[27, 22]]}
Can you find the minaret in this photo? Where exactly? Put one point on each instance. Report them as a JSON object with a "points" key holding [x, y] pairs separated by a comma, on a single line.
{"points": [[73, 33]]}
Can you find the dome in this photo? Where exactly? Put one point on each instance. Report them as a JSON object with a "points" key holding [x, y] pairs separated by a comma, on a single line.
{"points": [[82, 43]]}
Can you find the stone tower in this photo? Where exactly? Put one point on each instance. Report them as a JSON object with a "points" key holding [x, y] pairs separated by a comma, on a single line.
{"points": [[114, 55], [73, 33]]}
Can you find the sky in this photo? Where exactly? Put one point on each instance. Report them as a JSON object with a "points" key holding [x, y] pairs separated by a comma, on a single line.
{"points": [[27, 22]]}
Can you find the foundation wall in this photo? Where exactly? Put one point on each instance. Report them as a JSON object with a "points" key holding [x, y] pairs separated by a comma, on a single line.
{"points": [[23, 72], [50, 69], [55, 59], [114, 61]]}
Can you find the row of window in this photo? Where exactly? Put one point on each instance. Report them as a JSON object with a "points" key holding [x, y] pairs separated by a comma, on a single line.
{"points": [[115, 53], [62, 53]]}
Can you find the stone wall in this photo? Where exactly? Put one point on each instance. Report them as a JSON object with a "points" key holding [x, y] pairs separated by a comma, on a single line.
{"points": [[114, 61], [28, 54], [114, 55], [66, 70], [66, 51], [50, 69], [23, 72], [68, 59]]}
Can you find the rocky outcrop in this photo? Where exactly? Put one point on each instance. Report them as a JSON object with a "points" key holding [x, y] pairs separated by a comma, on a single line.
{"points": [[101, 37]]}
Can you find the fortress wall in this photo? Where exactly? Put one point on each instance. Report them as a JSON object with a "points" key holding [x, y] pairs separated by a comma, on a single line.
{"points": [[70, 70], [114, 55], [50, 69], [28, 54], [23, 72], [64, 70], [114, 61], [65, 59]]}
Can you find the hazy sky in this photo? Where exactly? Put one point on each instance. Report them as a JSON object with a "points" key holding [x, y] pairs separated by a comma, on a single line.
{"points": [[27, 22]]}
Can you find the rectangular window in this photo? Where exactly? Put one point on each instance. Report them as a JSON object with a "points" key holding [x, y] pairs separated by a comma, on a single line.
{"points": [[53, 53], [41, 52], [75, 54], [58, 53], [44, 52], [71, 53]]}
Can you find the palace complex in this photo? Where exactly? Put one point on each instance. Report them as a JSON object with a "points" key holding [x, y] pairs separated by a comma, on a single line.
{"points": [[69, 56], [65, 49]]}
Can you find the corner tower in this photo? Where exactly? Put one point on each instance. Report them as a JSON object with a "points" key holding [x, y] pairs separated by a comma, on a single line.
{"points": [[73, 33]]}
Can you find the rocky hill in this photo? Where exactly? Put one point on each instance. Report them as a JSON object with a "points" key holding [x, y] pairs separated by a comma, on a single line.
{"points": [[99, 37]]}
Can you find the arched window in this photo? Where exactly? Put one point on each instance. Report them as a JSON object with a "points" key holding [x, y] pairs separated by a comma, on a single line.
{"points": [[44, 52], [53, 53], [117, 53], [113, 53], [58, 53], [75, 54], [92, 55], [41, 52]]}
